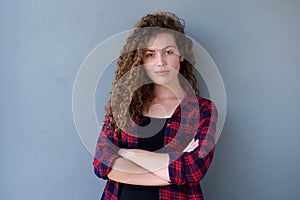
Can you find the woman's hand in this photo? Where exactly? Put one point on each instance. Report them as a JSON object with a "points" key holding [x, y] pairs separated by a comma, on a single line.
{"points": [[191, 146]]}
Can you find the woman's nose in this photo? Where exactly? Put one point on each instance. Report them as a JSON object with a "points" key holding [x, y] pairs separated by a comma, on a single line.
{"points": [[161, 61]]}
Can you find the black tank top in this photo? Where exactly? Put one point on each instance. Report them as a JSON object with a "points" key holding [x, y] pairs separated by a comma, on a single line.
{"points": [[151, 132]]}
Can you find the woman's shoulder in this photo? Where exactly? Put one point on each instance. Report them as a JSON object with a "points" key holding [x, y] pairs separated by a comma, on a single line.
{"points": [[205, 103], [193, 98], [203, 99]]}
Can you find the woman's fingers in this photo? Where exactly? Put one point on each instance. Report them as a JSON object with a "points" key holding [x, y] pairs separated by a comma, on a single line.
{"points": [[191, 146]]}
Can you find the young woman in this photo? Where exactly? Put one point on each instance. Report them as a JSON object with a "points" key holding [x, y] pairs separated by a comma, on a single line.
{"points": [[157, 140]]}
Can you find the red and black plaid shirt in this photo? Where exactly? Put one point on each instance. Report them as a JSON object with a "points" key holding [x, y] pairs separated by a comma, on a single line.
{"points": [[196, 117]]}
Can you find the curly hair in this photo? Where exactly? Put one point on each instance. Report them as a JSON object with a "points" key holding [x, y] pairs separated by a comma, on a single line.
{"points": [[132, 92]]}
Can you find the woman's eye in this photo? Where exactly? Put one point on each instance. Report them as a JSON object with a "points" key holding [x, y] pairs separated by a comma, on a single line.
{"points": [[149, 55], [169, 52]]}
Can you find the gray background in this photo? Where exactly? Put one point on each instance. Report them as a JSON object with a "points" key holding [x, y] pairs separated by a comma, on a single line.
{"points": [[255, 43]]}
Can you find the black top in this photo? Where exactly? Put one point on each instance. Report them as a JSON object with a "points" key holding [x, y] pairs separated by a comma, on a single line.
{"points": [[151, 132]]}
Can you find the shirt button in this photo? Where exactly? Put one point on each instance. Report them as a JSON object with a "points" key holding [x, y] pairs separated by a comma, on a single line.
{"points": [[168, 125]]}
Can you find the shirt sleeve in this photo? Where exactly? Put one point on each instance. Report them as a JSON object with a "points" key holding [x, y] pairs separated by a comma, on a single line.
{"points": [[190, 167], [106, 150]]}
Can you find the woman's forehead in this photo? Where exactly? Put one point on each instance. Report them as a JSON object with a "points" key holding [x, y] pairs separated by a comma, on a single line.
{"points": [[161, 41]]}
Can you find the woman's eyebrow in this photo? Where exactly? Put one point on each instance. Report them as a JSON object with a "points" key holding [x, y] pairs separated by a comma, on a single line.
{"points": [[153, 49], [169, 46]]}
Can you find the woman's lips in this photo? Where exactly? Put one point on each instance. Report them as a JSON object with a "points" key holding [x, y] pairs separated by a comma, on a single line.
{"points": [[162, 72]]}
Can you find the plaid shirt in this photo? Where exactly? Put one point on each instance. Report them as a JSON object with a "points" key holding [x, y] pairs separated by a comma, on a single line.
{"points": [[196, 117]]}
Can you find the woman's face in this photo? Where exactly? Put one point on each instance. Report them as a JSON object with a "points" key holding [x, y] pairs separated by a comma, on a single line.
{"points": [[161, 59]]}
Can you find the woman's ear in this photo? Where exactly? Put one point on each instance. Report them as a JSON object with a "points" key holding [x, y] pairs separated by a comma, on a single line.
{"points": [[181, 58]]}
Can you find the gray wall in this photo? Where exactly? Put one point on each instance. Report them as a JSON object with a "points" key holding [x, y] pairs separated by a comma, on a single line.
{"points": [[255, 43]]}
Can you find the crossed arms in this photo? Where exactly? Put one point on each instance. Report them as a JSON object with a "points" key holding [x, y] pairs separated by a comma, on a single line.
{"points": [[141, 167], [135, 166]]}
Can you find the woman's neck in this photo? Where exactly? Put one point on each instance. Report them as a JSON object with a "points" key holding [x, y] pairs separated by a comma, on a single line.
{"points": [[168, 92], [165, 101]]}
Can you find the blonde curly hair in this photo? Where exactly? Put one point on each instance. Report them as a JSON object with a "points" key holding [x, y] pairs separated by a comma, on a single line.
{"points": [[132, 92]]}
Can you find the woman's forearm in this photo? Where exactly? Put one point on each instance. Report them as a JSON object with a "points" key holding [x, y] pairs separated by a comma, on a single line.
{"points": [[156, 163], [125, 171]]}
